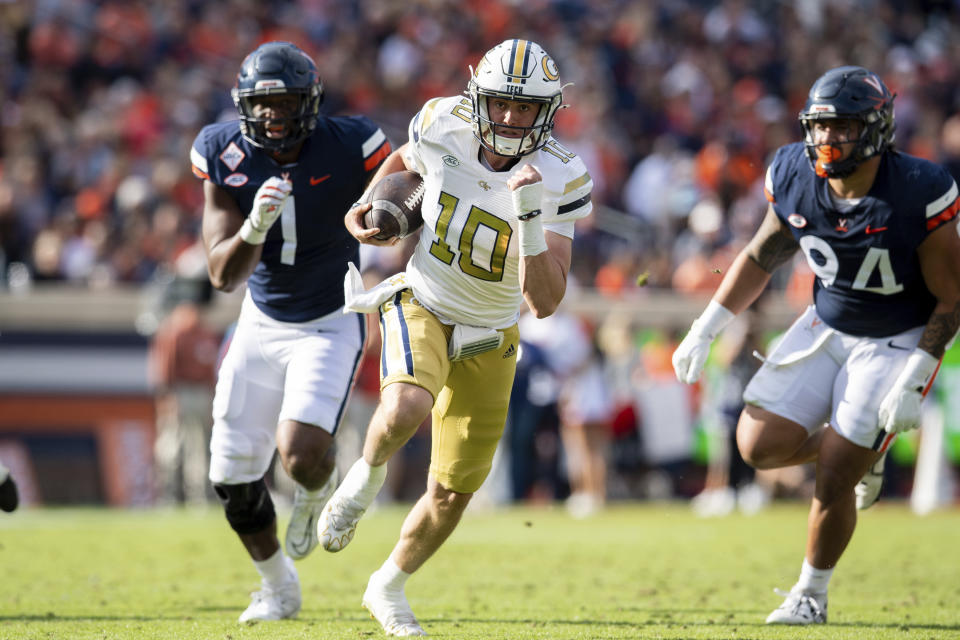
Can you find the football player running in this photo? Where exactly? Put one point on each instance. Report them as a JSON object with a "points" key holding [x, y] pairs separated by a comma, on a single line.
{"points": [[879, 230], [501, 198], [276, 184]]}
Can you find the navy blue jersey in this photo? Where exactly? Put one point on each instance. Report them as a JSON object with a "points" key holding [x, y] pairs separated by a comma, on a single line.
{"points": [[869, 281], [300, 273]]}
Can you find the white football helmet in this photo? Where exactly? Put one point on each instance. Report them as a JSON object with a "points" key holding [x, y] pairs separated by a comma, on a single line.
{"points": [[515, 70]]}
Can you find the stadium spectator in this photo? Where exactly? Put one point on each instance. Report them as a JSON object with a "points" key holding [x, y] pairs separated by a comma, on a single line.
{"points": [[183, 360], [584, 404], [450, 325], [9, 497], [530, 425], [878, 228], [730, 482], [276, 184], [97, 92]]}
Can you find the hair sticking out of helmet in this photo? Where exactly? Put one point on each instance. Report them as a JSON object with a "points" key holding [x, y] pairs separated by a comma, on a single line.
{"points": [[851, 93], [515, 70], [278, 69]]}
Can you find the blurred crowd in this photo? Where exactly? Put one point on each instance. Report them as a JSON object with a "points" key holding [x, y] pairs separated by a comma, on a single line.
{"points": [[677, 106]]}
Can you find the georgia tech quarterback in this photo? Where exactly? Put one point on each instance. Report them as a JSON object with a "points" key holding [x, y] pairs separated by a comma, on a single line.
{"points": [[501, 198]]}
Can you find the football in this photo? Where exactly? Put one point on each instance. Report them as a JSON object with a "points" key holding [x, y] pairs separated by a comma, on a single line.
{"points": [[396, 205]]}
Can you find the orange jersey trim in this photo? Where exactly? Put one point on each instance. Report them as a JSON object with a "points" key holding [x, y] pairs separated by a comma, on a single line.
{"points": [[947, 214], [199, 174], [377, 157]]}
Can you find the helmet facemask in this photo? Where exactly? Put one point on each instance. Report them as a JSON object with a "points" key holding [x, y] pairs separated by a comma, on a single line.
{"points": [[515, 70], [274, 69], [299, 125]]}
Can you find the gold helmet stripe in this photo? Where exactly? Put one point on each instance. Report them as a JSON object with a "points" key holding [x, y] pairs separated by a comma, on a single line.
{"points": [[518, 60]]}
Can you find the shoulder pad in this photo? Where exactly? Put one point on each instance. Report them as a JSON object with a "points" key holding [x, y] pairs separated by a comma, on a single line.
{"points": [[569, 180], [447, 113]]}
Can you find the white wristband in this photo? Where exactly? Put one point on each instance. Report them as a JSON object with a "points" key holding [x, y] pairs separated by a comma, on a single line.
{"points": [[918, 371], [527, 198], [713, 319], [532, 241], [250, 235]]}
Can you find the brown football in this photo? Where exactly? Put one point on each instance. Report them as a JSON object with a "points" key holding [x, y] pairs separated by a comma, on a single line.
{"points": [[396, 201]]}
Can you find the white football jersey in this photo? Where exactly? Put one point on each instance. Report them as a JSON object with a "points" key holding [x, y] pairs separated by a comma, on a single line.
{"points": [[465, 267]]}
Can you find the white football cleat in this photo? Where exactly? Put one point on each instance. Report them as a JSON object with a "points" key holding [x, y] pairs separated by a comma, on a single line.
{"points": [[714, 503], [338, 520], [391, 609], [301, 536], [868, 489], [275, 602], [800, 608]]}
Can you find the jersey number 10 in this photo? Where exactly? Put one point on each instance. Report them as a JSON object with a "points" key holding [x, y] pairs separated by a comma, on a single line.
{"points": [[467, 244]]}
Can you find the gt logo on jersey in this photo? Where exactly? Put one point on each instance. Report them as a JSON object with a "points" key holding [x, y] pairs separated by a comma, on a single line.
{"points": [[232, 156], [483, 185]]}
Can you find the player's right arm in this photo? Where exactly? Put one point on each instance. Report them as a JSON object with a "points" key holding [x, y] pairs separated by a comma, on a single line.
{"points": [[230, 260], [770, 247], [233, 250]]}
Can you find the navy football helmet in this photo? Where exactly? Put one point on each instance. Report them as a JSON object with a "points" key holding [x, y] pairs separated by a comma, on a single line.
{"points": [[278, 68], [858, 94]]}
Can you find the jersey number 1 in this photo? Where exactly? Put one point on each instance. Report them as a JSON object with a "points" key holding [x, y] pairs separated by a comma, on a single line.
{"points": [[288, 225]]}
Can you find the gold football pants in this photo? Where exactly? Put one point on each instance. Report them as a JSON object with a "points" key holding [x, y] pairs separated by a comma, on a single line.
{"points": [[471, 396]]}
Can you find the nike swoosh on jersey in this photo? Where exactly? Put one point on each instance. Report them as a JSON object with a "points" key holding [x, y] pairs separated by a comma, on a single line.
{"points": [[896, 346], [315, 181], [874, 229]]}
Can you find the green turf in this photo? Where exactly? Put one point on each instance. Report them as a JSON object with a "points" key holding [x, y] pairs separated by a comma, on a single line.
{"points": [[650, 571]]}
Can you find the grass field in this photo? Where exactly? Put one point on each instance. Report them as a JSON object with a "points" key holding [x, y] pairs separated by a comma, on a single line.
{"points": [[649, 571]]}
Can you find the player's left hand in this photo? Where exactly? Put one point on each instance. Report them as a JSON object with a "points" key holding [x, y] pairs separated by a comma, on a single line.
{"points": [[901, 407], [900, 410]]}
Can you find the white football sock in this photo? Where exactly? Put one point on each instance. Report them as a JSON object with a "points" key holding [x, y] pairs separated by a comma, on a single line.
{"points": [[364, 482], [274, 569], [813, 580], [392, 577]]}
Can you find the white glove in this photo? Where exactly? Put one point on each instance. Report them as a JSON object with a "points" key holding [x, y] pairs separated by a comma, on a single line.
{"points": [[691, 355], [900, 409], [267, 206]]}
